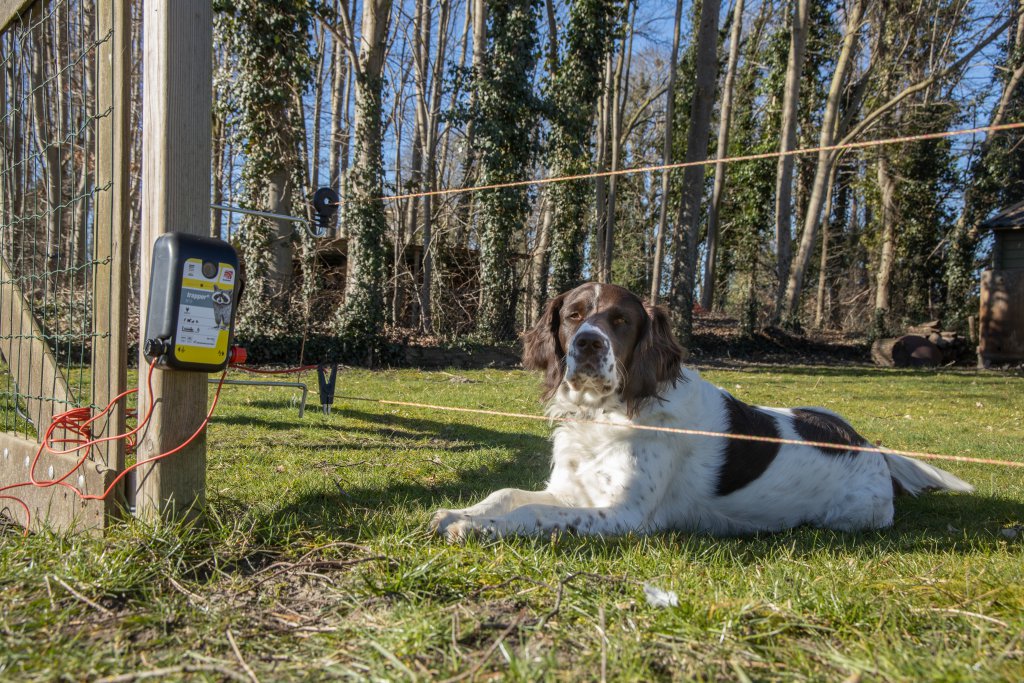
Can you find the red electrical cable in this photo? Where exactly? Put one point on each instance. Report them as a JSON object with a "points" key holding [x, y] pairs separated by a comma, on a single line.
{"points": [[78, 421]]}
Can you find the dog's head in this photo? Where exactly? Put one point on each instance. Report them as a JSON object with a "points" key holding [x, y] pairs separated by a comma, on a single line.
{"points": [[601, 340]]}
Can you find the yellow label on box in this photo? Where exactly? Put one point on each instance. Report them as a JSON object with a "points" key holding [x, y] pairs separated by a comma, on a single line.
{"points": [[204, 313]]}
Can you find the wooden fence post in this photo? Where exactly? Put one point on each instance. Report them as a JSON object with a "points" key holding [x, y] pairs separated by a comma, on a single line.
{"points": [[176, 113], [111, 283]]}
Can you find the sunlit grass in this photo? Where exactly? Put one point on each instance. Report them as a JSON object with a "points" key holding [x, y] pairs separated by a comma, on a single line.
{"points": [[315, 556]]}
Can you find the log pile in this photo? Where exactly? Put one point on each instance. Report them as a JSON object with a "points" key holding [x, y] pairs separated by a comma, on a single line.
{"points": [[924, 345]]}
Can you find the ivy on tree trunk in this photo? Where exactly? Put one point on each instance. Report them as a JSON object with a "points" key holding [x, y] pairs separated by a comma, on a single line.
{"points": [[575, 86], [503, 116], [361, 318]]}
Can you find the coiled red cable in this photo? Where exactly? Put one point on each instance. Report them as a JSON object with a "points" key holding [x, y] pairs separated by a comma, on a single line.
{"points": [[79, 421]]}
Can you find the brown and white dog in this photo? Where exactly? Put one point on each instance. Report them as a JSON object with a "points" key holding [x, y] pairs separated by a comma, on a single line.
{"points": [[609, 357]]}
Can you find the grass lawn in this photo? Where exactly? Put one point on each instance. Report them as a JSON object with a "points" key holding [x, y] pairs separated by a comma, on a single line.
{"points": [[314, 561]]}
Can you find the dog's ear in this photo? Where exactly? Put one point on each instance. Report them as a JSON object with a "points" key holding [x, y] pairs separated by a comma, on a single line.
{"points": [[542, 349], [656, 359]]}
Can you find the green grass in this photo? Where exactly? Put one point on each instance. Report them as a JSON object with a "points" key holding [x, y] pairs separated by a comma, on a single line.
{"points": [[314, 556]]}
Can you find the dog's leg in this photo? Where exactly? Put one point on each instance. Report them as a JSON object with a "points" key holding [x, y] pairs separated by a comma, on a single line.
{"points": [[533, 520], [630, 486], [504, 501], [501, 502]]}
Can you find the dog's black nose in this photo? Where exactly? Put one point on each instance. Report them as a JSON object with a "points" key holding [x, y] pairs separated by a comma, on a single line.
{"points": [[589, 342]]}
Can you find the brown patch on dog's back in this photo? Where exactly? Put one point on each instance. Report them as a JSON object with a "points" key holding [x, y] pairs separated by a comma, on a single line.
{"points": [[744, 460], [824, 427]]}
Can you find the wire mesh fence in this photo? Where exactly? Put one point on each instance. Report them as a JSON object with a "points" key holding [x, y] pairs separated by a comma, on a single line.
{"points": [[52, 183]]}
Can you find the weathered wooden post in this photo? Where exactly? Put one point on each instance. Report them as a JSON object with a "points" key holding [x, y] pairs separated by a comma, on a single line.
{"points": [[176, 113], [111, 284]]}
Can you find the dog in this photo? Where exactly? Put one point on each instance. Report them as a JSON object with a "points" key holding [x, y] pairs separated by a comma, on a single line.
{"points": [[608, 357]]}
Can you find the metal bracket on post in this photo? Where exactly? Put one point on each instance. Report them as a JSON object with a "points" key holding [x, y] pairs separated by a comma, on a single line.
{"points": [[326, 385], [325, 203]]}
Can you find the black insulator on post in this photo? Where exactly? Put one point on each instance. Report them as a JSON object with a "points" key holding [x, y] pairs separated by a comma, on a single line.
{"points": [[325, 203]]}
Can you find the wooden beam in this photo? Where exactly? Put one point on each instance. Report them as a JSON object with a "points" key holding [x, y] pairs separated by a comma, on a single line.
{"points": [[11, 10], [56, 507], [1001, 316], [176, 112], [29, 358], [111, 287]]}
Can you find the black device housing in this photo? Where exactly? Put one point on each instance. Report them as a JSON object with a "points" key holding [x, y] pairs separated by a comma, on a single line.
{"points": [[325, 203], [193, 294]]}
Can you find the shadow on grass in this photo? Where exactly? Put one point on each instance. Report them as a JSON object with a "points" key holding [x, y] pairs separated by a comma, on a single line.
{"points": [[245, 420], [525, 465]]}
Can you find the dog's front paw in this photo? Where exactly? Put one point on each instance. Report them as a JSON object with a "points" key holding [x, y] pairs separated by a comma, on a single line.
{"points": [[456, 526], [441, 519], [448, 523]]}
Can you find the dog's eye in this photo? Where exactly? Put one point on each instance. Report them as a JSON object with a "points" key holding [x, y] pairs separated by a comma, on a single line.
{"points": [[575, 316], [619, 321]]}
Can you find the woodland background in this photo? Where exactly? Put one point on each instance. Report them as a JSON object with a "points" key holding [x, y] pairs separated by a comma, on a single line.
{"points": [[380, 97]]}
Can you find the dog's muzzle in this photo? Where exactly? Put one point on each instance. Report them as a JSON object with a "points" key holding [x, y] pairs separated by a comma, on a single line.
{"points": [[591, 363]]}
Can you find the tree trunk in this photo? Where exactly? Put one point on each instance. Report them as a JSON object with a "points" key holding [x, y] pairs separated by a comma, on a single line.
{"points": [[318, 103], [601, 165], [618, 98], [888, 219], [470, 166], [826, 224], [445, 174], [504, 102], [823, 169], [362, 316], [431, 121], [725, 119], [424, 102], [399, 221], [540, 261], [339, 76], [666, 158], [44, 134], [346, 138], [80, 228], [6, 161], [218, 170], [413, 205], [788, 141], [279, 270], [574, 91], [688, 219], [345, 67]]}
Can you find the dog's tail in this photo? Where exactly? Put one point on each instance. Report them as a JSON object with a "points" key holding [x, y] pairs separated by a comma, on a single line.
{"points": [[914, 477]]}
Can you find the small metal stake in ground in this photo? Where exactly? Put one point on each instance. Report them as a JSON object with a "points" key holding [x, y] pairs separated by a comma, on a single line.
{"points": [[327, 385]]}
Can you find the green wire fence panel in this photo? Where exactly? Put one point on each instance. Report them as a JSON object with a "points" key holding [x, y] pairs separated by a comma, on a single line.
{"points": [[62, 223]]}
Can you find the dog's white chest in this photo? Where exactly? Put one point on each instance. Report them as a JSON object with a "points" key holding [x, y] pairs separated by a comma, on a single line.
{"points": [[592, 466]]}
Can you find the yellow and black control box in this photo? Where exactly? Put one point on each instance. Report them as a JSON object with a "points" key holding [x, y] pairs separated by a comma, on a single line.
{"points": [[193, 294]]}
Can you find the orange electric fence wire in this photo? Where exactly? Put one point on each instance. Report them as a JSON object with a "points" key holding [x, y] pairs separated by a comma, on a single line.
{"points": [[692, 432], [706, 162]]}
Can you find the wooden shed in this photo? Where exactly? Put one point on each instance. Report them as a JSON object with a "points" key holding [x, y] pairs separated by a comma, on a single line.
{"points": [[1001, 318]]}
